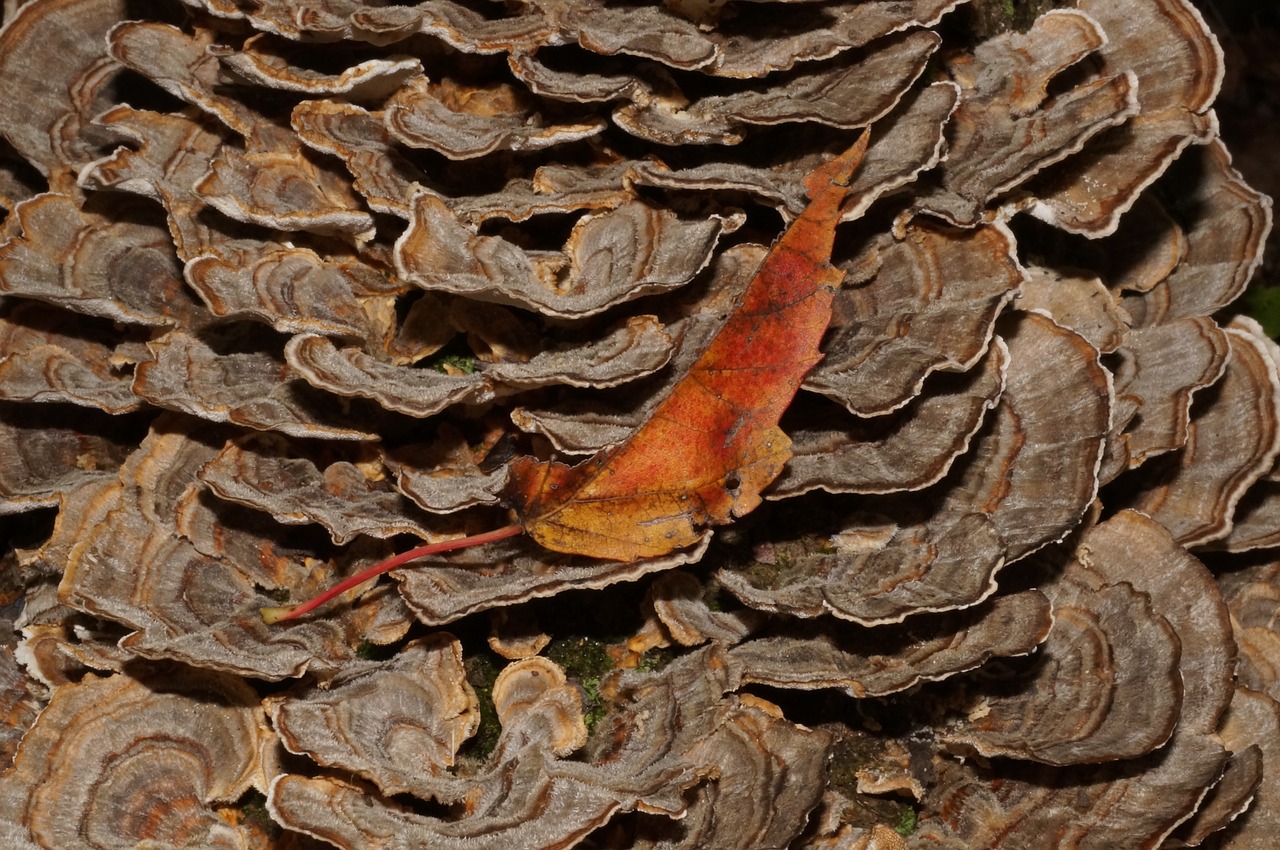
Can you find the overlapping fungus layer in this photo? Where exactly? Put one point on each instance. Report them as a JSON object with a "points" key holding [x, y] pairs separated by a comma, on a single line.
{"points": [[288, 284]]}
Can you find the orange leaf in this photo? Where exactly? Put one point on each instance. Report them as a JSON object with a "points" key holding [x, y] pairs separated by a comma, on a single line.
{"points": [[713, 443]]}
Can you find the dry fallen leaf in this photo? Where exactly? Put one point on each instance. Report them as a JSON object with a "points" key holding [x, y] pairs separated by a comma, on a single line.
{"points": [[712, 444]]}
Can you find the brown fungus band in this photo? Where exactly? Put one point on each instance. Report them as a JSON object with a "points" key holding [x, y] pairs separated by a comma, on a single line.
{"points": [[290, 286]]}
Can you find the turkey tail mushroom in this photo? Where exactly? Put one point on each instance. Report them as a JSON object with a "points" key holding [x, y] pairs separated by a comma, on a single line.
{"points": [[288, 286]]}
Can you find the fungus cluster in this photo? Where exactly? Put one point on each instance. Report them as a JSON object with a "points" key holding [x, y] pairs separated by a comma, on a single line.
{"points": [[286, 285]]}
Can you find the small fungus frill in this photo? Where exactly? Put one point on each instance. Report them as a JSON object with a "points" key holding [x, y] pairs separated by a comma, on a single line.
{"points": [[139, 759], [288, 286]]}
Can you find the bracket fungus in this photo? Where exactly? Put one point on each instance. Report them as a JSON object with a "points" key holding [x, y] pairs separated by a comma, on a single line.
{"points": [[949, 521]]}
